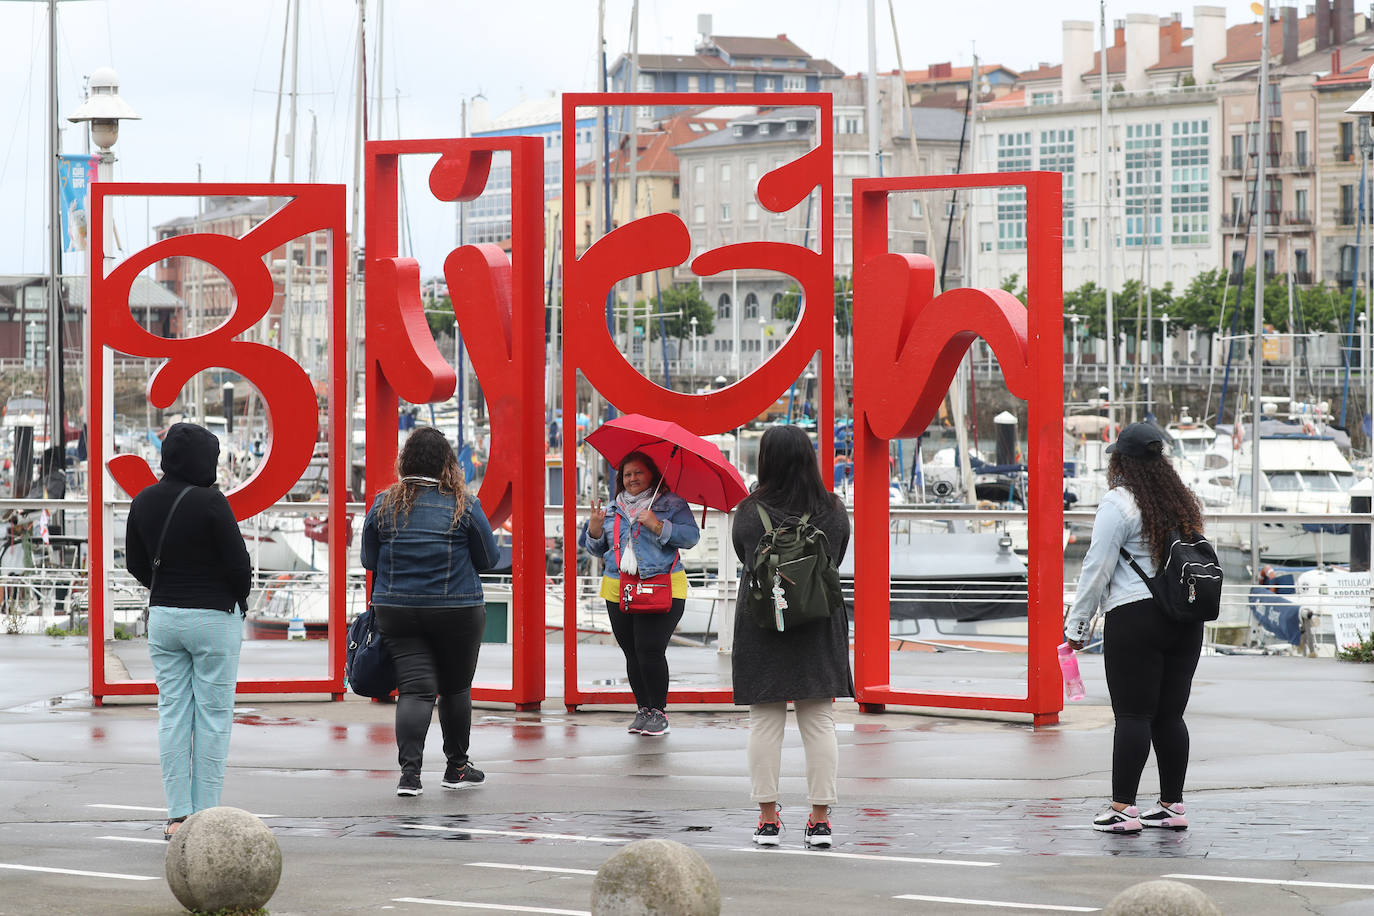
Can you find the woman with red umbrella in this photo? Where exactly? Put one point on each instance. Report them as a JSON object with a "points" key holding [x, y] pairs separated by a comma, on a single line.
{"points": [[640, 532]]}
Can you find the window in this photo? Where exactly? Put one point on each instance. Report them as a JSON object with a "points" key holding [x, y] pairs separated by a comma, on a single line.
{"points": [[725, 171], [1145, 184], [738, 130], [751, 306], [773, 306], [699, 213], [1300, 266], [1237, 151], [792, 127], [751, 212], [723, 306], [1013, 155], [751, 170], [1346, 215], [1300, 148], [698, 174], [1345, 148], [918, 246], [1270, 259], [645, 82], [1188, 183], [844, 205], [793, 83], [1056, 155], [677, 189], [915, 208], [321, 257], [1044, 98], [725, 213], [1300, 204]]}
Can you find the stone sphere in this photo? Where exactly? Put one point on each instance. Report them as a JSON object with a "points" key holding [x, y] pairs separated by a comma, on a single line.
{"points": [[223, 858], [655, 876], [1161, 898]]}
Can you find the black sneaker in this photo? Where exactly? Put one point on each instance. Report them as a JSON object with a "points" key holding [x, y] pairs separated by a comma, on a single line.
{"points": [[409, 785], [766, 834], [817, 834], [637, 726], [463, 777], [655, 723]]}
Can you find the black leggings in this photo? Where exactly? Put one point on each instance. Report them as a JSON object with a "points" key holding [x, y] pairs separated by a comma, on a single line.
{"points": [[644, 640], [1150, 662], [435, 651]]}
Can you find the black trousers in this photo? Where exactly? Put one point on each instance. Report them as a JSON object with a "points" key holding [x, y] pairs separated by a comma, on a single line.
{"points": [[644, 640], [1150, 660], [435, 651]]}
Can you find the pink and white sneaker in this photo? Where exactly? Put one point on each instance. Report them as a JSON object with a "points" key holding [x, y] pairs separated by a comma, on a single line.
{"points": [[1170, 817], [1114, 821]]}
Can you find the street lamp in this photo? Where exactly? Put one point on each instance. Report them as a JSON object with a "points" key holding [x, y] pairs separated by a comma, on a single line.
{"points": [[693, 323], [763, 329], [1164, 339]]}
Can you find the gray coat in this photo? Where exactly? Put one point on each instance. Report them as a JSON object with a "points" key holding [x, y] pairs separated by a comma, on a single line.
{"points": [[810, 662]]}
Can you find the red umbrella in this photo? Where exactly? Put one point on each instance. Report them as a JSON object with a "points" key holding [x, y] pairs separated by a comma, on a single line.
{"points": [[692, 467]]}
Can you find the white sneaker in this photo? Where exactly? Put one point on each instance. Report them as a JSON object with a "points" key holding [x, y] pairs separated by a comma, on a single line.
{"points": [[1114, 821], [1170, 817]]}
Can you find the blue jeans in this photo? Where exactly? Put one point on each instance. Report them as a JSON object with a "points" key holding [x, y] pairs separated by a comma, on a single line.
{"points": [[195, 655]]}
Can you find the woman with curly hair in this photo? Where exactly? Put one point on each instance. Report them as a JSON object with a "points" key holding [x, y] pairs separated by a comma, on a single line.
{"points": [[1150, 658], [425, 539]]}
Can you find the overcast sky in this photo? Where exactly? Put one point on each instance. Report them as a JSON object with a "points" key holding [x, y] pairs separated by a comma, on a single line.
{"points": [[203, 76]]}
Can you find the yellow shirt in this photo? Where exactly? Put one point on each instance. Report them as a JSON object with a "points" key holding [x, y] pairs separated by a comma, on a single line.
{"points": [[610, 586]]}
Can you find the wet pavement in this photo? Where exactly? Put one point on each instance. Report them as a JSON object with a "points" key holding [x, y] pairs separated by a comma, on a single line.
{"points": [[940, 812]]}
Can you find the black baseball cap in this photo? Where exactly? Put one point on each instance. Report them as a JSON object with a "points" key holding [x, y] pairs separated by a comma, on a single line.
{"points": [[1140, 440]]}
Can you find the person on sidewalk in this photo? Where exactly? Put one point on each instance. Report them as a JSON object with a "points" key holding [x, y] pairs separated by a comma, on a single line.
{"points": [[808, 665], [425, 539], [1150, 658], [653, 523], [183, 543]]}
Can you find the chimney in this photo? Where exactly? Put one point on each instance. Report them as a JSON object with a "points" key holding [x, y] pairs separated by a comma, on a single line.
{"points": [[1343, 21], [1142, 49], [1118, 34], [1077, 57], [1290, 34], [1209, 41], [1323, 24], [1335, 61]]}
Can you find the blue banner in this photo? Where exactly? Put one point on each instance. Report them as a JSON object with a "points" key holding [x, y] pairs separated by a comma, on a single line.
{"points": [[74, 177]]}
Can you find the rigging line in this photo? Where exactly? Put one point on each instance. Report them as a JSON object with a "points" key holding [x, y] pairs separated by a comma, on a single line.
{"points": [[14, 134], [281, 82], [408, 240]]}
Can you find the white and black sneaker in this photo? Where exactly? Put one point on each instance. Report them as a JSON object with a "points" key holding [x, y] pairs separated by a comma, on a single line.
{"points": [[409, 785], [1114, 821], [1169, 817], [641, 717], [817, 834], [768, 833]]}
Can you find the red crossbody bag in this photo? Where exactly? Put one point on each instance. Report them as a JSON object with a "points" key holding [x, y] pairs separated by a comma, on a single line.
{"points": [[652, 595]]}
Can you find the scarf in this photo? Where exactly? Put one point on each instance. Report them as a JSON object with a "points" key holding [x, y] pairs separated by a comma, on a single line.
{"points": [[632, 506]]}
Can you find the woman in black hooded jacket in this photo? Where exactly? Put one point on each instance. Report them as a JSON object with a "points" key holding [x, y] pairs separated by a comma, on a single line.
{"points": [[193, 631]]}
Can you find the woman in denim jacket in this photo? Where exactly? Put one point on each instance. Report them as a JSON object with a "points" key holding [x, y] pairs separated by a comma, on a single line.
{"points": [[654, 524], [425, 539], [1149, 657]]}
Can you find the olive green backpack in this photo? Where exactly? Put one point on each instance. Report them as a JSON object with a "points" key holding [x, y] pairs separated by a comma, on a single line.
{"points": [[790, 580]]}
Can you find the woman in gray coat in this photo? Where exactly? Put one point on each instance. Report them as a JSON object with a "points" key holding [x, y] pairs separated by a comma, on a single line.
{"points": [[808, 665]]}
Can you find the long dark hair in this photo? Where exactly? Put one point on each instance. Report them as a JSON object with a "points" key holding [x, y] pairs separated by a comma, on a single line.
{"points": [[425, 454], [789, 479], [1166, 504], [645, 460]]}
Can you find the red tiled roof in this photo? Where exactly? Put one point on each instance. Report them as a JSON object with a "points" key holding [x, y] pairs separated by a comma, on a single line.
{"points": [[955, 74], [1243, 41], [1016, 99], [655, 146], [1043, 73], [1355, 73]]}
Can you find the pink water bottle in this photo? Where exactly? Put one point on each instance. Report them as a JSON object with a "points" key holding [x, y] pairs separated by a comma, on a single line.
{"points": [[1068, 666]]}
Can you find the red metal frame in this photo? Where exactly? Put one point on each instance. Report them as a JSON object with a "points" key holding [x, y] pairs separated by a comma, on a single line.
{"points": [[894, 292], [285, 387], [498, 304], [662, 240]]}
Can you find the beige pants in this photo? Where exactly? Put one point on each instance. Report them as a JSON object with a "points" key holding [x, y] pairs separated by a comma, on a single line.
{"points": [[816, 720]]}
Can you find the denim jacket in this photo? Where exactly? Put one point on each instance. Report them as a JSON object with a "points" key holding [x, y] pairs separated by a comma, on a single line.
{"points": [[655, 553], [1107, 580], [427, 561]]}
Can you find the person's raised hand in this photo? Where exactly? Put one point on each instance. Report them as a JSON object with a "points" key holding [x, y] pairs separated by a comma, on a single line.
{"points": [[596, 518]]}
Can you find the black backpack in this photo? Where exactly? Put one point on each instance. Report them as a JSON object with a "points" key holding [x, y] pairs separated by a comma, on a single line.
{"points": [[790, 580], [1188, 584]]}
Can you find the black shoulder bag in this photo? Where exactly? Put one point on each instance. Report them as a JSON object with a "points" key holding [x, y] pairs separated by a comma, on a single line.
{"points": [[161, 538]]}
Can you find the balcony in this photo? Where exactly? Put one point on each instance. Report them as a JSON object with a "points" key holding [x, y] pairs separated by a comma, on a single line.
{"points": [[1343, 153], [1345, 216], [1302, 277]]}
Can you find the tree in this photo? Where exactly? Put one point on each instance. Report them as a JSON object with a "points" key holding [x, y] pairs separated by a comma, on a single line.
{"points": [[439, 315], [686, 299], [789, 305]]}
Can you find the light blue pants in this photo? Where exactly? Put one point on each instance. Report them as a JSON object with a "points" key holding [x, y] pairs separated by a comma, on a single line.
{"points": [[195, 655]]}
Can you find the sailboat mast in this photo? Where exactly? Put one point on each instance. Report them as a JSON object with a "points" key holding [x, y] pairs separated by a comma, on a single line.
{"points": [[1257, 348], [55, 423], [1104, 267]]}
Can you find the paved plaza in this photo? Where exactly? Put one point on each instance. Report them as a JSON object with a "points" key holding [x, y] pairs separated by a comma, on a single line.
{"points": [[941, 811]]}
